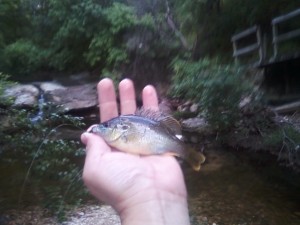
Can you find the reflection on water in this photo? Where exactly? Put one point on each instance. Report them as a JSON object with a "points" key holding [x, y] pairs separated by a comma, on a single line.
{"points": [[231, 190]]}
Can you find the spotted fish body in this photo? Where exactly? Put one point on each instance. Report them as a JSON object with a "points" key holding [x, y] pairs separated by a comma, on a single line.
{"points": [[147, 133]]}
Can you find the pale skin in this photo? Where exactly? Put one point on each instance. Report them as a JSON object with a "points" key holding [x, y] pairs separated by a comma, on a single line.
{"points": [[148, 190]]}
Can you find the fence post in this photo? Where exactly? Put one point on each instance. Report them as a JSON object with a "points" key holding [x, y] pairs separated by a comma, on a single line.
{"points": [[278, 38], [274, 41], [260, 46], [235, 50]]}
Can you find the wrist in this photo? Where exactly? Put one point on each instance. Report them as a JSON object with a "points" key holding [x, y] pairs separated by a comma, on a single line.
{"points": [[154, 208]]}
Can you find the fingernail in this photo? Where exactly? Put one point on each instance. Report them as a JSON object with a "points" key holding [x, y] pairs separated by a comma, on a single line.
{"points": [[84, 138]]}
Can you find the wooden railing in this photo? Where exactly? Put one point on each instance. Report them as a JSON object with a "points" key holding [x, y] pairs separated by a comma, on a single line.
{"points": [[277, 38], [261, 46], [237, 52]]}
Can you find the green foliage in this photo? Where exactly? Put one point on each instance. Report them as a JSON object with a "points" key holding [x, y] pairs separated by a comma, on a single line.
{"points": [[107, 46], [72, 25], [23, 57], [286, 135], [216, 87], [120, 17], [13, 20], [286, 140], [49, 159], [4, 84], [91, 34], [70, 35], [112, 74]]}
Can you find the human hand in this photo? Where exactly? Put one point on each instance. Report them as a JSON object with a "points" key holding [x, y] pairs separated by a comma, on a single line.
{"points": [[142, 189]]}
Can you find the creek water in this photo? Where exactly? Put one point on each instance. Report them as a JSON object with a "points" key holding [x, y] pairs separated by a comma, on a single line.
{"points": [[231, 188], [239, 188]]}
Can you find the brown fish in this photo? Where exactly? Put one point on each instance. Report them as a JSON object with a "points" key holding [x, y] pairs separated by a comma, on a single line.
{"points": [[147, 133]]}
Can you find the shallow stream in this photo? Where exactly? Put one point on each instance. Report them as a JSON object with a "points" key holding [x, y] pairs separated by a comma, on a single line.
{"points": [[232, 189], [237, 188]]}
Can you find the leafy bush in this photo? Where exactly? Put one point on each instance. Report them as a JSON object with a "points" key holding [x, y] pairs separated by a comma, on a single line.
{"points": [[216, 87], [107, 45], [23, 57], [4, 84], [52, 163], [71, 25], [285, 140], [87, 34]]}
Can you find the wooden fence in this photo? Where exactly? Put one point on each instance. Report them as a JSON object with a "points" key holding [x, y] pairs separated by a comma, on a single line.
{"points": [[277, 38], [259, 45], [250, 48]]}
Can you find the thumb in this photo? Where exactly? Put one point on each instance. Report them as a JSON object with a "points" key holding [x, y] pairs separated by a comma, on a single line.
{"points": [[94, 143], [85, 137]]}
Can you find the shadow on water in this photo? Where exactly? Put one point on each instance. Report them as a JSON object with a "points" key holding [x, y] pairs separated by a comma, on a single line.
{"points": [[233, 188]]}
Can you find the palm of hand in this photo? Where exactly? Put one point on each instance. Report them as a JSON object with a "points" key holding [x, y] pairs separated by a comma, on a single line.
{"points": [[117, 177]]}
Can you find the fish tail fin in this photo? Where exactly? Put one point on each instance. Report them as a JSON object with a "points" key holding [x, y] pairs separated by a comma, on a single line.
{"points": [[194, 158]]}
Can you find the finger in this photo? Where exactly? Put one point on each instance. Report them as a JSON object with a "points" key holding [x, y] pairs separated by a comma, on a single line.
{"points": [[95, 145], [127, 97], [107, 99], [150, 100]]}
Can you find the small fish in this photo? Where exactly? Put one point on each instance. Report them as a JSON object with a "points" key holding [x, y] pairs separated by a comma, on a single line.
{"points": [[147, 133]]}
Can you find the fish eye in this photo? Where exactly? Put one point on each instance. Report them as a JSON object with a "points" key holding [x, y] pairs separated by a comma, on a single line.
{"points": [[122, 126], [105, 124], [125, 127]]}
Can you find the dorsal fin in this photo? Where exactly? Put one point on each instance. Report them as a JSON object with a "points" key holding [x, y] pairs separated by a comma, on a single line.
{"points": [[167, 121], [148, 113], [171, 124]]}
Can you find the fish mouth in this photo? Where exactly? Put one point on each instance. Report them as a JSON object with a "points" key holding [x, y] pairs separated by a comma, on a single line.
{"points": [[93, 128], [97, 128]]}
